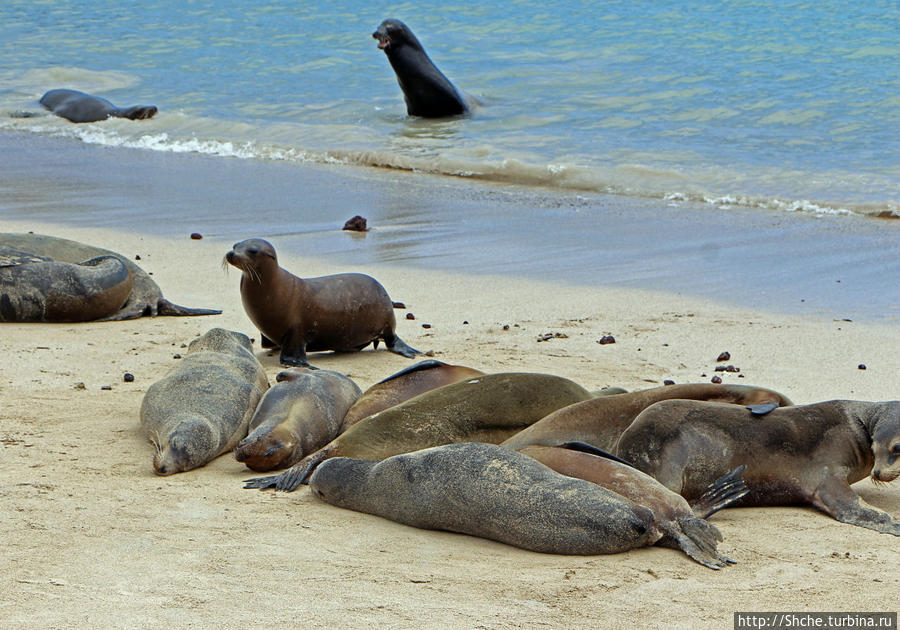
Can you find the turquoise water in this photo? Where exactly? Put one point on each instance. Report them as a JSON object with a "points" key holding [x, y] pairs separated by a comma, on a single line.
{"points": [[784, 106]]}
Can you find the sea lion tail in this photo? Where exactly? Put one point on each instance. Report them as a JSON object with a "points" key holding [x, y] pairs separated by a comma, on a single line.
{"points": [[720, 493], [165, 307], [698, 539]]}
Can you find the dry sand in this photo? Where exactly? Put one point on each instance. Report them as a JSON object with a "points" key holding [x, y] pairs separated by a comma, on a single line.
{"points": [[93, 539]]}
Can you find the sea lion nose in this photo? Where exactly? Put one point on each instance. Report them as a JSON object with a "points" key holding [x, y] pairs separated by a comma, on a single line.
{"points": [[876, 474]]}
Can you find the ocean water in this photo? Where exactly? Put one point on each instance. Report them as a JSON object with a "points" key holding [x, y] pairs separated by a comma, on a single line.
{"points": [[777, 106]]}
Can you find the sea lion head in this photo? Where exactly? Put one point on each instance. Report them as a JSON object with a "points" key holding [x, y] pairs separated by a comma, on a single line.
{"points": [[252, 255], [340, 481], [394, 33], [886, 442], [184, 449]]}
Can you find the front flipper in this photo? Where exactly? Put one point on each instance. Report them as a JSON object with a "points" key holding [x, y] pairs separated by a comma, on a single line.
{"points": [[293, 350], [293, 477], [762, 408], [398, 346], [835, 497], [584, 447]]}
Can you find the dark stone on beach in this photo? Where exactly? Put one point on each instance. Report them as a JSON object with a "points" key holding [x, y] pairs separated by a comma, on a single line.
{"points": [[106, 388], [548, 336], [356, 224], [426, 325], [137, 256], [128, 378], [668, 381], [861, 366], [606, 339], [196, 236], [79, 386], [716, 379], [505, 326], [429, 353], [465, 322], [732, 368], [410, 316], [724, 356], [176, 356], [398, 304]]}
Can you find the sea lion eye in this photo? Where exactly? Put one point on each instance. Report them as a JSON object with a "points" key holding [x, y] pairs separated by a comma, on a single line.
{"points": [[895, 451]]}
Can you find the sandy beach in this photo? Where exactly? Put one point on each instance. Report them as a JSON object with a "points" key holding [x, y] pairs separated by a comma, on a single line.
{"points": [[95, 539]]}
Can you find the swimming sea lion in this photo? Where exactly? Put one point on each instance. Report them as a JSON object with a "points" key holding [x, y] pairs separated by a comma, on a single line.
{"points": [[488, 491], [63, 292], [344, 312], [680, 526], [201, 407], [146, 298], [804, 454], [486, 408], [300, 414], [428, 93], [600, 421], [79, 107], [397, 388]]}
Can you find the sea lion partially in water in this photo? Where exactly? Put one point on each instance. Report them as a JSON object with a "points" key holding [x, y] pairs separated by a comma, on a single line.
{"points": [[343, 312], [807, 454], [405, 384], [488, 491], [487, 408], [428, 93], [146, 298], [48, 291], [600, 421], [79, 107], [201, 407], [300, 414]]}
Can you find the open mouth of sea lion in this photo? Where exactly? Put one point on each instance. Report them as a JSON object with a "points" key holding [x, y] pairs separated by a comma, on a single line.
{"points": [[384, 39]]}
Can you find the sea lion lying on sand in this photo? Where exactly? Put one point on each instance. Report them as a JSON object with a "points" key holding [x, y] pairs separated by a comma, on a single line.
{"points": [[79, 107]]}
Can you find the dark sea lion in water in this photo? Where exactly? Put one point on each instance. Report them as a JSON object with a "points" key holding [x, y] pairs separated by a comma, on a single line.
{"points": [[405, 384], [808, 454], [146, 298], [680, 525], [487, 408], [201, 408], [79, 107], [300, 414], [48, 291], [343, 312], [600, 421], [427, 91], [488, 491]]}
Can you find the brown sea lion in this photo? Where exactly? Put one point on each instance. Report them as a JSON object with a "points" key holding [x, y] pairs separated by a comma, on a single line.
{"points": [[680, 525], [805, 454], [397, 388], [488, 491], [146, 298], [600, 421], [201, 407], [62, 292], [79, 107], [343, 312], [487, 408], [300, 414]]}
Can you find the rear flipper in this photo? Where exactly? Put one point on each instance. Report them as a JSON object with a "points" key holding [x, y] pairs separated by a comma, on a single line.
{"points": [[398, 346], [720, 493], [836, 498], [165, 307], [698, 539]]}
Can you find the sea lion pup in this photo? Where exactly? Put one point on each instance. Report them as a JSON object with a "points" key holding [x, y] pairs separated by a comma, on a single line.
{"points": [[48, 291], [201, 407], [344, 312], [486, 408], [79, 107], [146, 298], [794, 455], [601, 420], [428, 93], [488, 491], [397, 388], [680, 526], [300, 414]]}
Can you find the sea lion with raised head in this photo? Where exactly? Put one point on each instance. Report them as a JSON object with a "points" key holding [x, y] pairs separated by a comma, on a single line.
{"points": [[487, 408], [201, 408], [343, 312], [428, 93], [48, 291], [146, 298], [488, 491], [601, 420], [79, 107], [405, 384], [681, 526], [807, 454], [300, 414]]}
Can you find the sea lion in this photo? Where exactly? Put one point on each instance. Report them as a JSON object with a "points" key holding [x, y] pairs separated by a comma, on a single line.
{"points": [[600, 421], [343, 312], [488, 491], [428, 93], [79, 107], [300, 414], [201, 407], [486, 408], [805, 454], [397, 388], [680, 525], [146, 298], [48, 291]]}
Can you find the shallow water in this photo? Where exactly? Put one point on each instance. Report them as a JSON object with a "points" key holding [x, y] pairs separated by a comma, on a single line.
{"points": [[772, 106]]}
